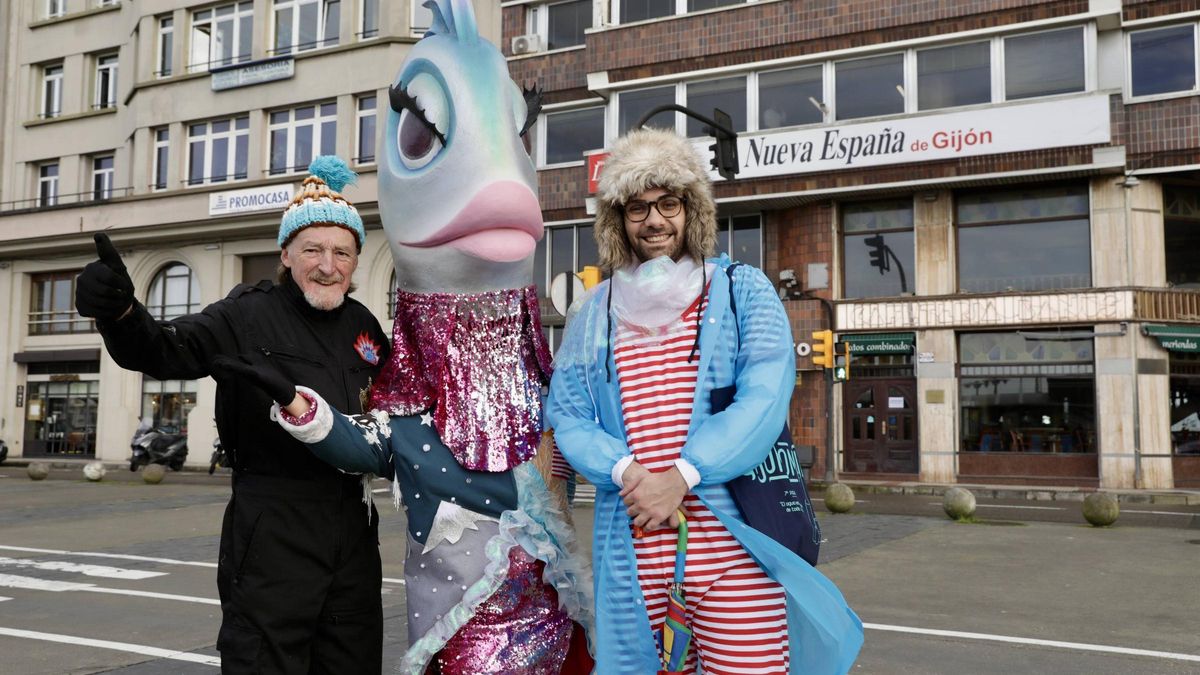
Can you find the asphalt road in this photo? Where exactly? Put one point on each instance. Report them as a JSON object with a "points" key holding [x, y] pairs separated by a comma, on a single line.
{"points": [[119, 577]]}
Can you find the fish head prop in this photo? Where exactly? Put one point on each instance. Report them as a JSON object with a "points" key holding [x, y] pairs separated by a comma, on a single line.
{"points": [[457, 188]]}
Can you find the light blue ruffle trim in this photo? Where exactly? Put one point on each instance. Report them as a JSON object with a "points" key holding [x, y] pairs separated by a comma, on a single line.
{"points": [[539, 529]]}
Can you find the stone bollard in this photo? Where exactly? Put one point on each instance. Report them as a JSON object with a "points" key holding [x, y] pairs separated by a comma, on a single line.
{"points": [[1101, 509], [839, 498], [153, 474], [94, 471], [38, 470], [958, 503]]}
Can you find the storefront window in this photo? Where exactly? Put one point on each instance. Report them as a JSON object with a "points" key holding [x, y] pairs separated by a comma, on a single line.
{"points": [[1023, 395], [1182, 235], [741, 238], [564, 250], [1185, 404], [60, 417], [1024, 240], [167, 403], [877, 248]]}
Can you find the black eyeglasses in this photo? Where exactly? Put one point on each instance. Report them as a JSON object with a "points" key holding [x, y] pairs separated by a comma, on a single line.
{"points": [[668, 206]]}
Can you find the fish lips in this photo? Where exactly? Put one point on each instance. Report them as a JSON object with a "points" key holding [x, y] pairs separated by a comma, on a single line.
{"points": [[502, 223]]}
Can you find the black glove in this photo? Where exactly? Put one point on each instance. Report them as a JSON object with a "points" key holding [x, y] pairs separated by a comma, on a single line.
{"points": [[256, 370], [103, 289]]}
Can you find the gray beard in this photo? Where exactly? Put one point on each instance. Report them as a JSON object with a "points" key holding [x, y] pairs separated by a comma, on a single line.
{"points": [[316, 303]]}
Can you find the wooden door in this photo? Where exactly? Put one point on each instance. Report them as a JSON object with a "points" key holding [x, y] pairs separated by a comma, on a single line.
{"points": [[881, 425]]}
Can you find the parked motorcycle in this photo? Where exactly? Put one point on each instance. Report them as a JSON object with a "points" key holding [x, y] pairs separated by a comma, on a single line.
{"points": [[3, 452], [158, 445], [219, 458]]}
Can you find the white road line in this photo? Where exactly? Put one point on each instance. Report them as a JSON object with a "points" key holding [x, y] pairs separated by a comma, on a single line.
{"points": [[117, 556], [1010, 506], [145, 650], [32, 584], [1079, 646], [2, 598], [86, 570], [856, 501], [1161, 513], [151, 594]]}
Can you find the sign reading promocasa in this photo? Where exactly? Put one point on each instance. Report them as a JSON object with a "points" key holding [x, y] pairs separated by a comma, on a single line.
{"points": [[246, 74], [266, 198], [1011, 128]]}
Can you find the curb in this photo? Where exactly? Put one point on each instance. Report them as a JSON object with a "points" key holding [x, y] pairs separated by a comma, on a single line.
{"points": [[1022, 493]]}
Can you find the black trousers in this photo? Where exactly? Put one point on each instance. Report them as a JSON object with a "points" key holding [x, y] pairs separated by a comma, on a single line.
{"points": [[299, 578]]}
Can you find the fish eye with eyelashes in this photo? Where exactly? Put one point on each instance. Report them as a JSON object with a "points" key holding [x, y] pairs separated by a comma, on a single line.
{"points": [[424, 116]]}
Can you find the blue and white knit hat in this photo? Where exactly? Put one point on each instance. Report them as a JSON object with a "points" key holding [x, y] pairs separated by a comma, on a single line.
{"points": [[319, 201]]}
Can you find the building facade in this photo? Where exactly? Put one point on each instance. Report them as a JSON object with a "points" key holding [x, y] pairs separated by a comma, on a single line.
{"points": [[181, 129], [994, 204]]}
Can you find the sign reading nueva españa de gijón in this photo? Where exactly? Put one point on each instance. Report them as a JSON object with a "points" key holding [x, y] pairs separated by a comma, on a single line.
{"points": [[1081, 120]]}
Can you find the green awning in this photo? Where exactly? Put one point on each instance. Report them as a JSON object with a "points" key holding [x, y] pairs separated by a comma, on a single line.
{"points": [[867, 344], [1175, 338]]}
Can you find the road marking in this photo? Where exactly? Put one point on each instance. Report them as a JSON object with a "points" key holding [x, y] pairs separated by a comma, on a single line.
{"points": [[151, 594], [1080, 646], [86, 570], [117, 556], [1161, 513], [32, 584], [393, 581], [145, 650], [856, 500], [1009, 506], [2, 598]]}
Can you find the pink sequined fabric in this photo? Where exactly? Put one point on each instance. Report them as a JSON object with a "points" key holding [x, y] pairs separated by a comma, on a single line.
{"points": [[480, 361], [519, 630]]}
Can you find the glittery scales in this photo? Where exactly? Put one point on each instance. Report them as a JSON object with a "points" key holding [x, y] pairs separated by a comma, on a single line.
{"points": [[480, 362]]}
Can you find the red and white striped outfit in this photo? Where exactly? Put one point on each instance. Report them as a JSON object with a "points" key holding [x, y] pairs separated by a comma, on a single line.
{"points": [[737, 613]]}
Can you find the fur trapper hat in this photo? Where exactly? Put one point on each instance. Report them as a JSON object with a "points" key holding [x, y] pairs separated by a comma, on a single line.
{"points": [[646, 159]]}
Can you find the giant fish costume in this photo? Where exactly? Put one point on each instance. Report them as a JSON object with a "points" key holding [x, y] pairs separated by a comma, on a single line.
{"points": [[457, 412]]}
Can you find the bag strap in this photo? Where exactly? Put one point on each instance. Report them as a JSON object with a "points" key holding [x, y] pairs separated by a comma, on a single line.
{"points": [[737, 328]]}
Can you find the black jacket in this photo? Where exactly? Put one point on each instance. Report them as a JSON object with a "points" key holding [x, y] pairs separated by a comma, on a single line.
{"points": [[314, 348]]}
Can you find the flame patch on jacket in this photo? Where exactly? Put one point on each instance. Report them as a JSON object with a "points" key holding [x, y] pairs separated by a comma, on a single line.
{"points": [[367, 349]]}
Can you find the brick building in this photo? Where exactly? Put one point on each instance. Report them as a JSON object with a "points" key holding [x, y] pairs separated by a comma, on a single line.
{"points": [[997, 200]]}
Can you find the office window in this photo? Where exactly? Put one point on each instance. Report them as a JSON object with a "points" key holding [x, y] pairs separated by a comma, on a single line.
{"points": [[1181, 230], [52, 77], [166, 46], [422, 17], [221, 36], [563, 250], [569, 134], [633, 104], [728, 94], [366, 129], [561, 24], [106, 81], [1043, 64], [953, 76], [174, 291], [370, 19], [878, 250], [299, 135], [167, 403], [869, 87], [48, 184], [741, 238], [162, 149], [55, 8], [1163, 60], [218, 151], [1024, 240], [640, 10], [790, 97], [301, 25], [102, 177], [52, 305]]}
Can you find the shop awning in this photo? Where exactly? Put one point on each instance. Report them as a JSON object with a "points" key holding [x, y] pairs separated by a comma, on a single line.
{"points": [[1175, 338], [869, 344], [57, 356]]}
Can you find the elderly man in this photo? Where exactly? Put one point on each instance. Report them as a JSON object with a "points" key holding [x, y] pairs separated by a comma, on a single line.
{"points": [[299, 571], [631, 403]]}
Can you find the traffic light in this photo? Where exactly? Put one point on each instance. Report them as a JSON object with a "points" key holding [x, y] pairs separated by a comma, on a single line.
{"points": [[725, 155], [841, 371], [822, 348], [878, 253], [590, 276]]}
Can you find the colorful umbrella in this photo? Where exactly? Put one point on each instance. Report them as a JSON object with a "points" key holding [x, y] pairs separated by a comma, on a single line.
{"points": [[675, 637]]}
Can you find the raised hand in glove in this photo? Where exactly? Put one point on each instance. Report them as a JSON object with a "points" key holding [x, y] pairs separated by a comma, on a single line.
{"points": [[103, 289], [256, 370]]}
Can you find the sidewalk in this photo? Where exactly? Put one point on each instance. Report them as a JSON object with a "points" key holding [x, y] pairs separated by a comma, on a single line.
{"points": [[1043, 493]]}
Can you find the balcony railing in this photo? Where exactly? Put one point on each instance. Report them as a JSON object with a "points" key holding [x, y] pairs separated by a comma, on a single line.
{"points": [[61, 200], [1175, 304]]}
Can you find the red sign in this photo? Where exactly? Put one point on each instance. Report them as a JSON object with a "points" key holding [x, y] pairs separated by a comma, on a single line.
{"points": [[595, 164]]}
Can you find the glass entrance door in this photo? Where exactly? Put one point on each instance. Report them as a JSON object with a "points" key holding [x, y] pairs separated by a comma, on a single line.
{"points": [[881, 425], [60, 419]]}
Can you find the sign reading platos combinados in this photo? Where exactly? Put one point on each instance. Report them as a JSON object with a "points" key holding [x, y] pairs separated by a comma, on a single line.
{"points": [[1082, 120]]}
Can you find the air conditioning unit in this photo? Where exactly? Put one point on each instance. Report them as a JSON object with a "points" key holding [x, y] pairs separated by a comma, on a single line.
{"points": [[526, 44]]}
